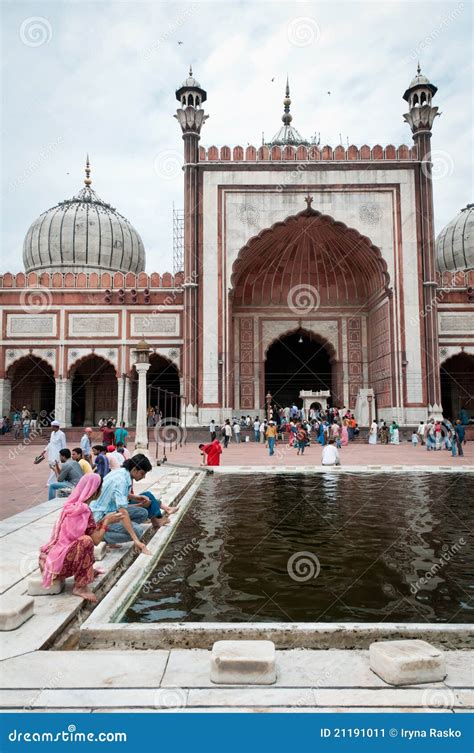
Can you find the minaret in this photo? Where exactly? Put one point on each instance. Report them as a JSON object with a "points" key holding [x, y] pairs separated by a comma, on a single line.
{"points": [[191, 118], [287, 116], [420, 118]]}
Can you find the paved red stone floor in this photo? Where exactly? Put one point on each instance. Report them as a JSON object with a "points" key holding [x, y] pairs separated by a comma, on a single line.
{"points": [[24, 484]]}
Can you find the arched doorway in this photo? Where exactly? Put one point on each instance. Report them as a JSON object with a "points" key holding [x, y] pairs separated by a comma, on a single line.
{"points": [[163, 387], [33, 385], [295, 362], [94, 391], [457, 385], [314, 274]]}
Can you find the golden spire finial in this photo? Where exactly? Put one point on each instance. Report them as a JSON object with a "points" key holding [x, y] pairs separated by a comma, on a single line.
{"points": [[87, 179]]}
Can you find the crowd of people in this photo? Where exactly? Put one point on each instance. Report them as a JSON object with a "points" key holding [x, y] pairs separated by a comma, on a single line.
{"points": [[101, 504], [331, 429]]}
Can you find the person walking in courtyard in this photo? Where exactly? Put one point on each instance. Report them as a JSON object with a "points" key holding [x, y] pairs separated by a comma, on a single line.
{"points": [[236, 429], [271, 435], [344, 434], [384, 433], [301, 439], [26, 424], [227, 430], [394, 433], [211, 452], [460, 432], [256, 429], [34, 421], [108, 433], [212, 430], [114, 497], [414, 439], [86, 444], [70, 550], [421, 432], [120, 435], [57, 442], [373, 432], [17, 423]]}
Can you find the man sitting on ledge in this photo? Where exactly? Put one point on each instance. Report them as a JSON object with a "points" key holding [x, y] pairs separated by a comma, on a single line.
{"points": [[330, 454], [114, 496]]}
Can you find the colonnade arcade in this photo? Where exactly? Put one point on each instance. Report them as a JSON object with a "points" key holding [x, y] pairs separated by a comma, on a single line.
{"points": [[91, 390]]}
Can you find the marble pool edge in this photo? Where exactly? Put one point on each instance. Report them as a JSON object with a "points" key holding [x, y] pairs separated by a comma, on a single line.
{"points": [[102, 628]]}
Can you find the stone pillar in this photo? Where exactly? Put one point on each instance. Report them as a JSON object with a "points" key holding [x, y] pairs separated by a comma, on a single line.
{"points": [[5, 396], [62, 404], [141, 430], [124, 400]]}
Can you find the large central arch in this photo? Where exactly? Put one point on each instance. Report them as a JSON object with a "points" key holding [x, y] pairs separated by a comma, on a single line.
{"points": [[313, 274]]}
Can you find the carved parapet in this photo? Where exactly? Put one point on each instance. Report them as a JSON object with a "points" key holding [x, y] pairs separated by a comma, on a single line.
{"points": [[304, 153]]}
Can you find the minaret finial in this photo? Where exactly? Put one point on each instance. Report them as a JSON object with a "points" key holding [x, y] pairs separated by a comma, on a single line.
{"points": [[286, 117], [190, 70], [418, 70], [87, 179]]}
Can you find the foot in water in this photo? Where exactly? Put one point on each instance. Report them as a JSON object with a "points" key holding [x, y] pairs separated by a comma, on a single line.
{"points": [[84, 593]]}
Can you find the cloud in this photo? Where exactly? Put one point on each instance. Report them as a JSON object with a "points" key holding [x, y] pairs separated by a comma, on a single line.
{"points": [[104, 82]]}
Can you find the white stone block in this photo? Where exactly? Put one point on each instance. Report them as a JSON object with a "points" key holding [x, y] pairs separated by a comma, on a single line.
{"points": [[14, 611], [36, 588], [243, 663], [407, 662], [99, 551]]}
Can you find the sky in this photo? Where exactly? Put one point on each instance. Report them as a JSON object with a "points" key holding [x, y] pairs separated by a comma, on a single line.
{"points": [[100, 78]]}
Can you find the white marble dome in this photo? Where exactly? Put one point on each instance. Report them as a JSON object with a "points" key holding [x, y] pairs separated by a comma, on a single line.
{"points": [[83, 234], [455, 243]]}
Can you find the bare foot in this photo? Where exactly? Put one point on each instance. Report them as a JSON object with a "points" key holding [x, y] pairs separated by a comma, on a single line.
{"points": [[161, 522], [85, 594], [171, 510], [98, 571]]}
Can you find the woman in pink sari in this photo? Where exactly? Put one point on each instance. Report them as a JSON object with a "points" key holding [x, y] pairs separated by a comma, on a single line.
{"points": [[344, 434], [70, 551]]}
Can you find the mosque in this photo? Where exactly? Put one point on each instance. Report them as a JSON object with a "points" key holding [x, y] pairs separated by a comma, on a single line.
{"points": [[304, 267]]}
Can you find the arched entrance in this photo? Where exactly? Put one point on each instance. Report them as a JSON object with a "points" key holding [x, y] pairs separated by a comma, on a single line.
{"points": [[33, 385], [457, 385], [163, 387], [310, 274], [94, 391], [295, 362]]}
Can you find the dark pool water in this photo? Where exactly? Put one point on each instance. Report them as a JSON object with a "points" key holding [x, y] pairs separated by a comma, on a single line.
{"points": [[319, 548]]}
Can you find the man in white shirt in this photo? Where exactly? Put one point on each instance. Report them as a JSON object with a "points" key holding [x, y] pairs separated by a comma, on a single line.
{"points": [[86, 446], [330, 454], [57, 442], [237, 432], [227, 432], [256, 429], [212, 430]]}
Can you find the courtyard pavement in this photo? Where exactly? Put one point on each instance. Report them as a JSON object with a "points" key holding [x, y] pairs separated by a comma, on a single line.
{"points": [[24, 484]]}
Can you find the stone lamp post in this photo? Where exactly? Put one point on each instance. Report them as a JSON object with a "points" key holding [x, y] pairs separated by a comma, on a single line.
{"points": [[142, 364]]}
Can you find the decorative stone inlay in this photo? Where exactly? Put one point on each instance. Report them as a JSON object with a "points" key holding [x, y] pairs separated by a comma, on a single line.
{"points": [[154, 324], [456, 323], [24, 325], [88, 325], [45, 355], [370, 214], [108, 354]]}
